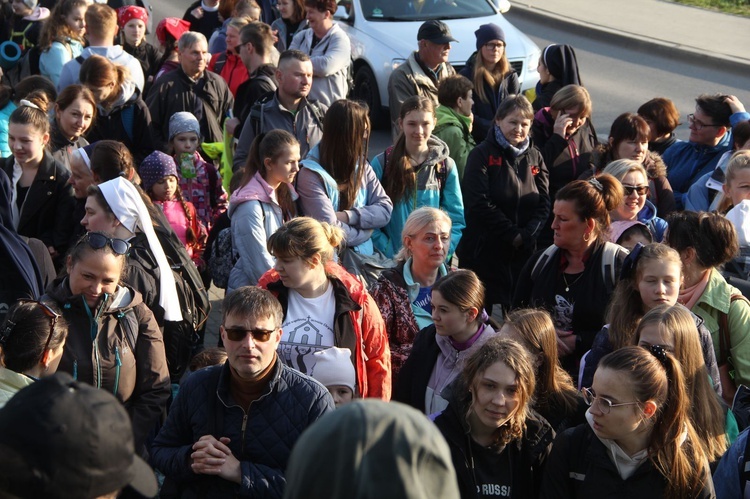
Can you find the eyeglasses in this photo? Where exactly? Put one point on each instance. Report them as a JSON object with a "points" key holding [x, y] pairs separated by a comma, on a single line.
{"points": [[239, 334], [494, 46], [97, 240], [54, 316], [605, 405], [697, 124], [642, 190]]}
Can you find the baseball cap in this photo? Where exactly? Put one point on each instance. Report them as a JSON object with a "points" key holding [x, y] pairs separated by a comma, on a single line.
{"points": [[436, 32], [63, 439]]}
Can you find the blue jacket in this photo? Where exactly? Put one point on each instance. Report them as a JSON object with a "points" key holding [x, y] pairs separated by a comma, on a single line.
{"points": [[657, 226], [429, 193], [728, 475], [687, 161], [4, 121], [261, 439]]}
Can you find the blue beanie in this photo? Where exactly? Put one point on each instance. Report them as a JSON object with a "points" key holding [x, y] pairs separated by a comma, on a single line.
{"points": [[488, 32]]}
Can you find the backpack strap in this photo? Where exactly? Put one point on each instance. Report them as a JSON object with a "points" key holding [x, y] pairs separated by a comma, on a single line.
{"points": [[724, 340], [220, 62], [542, 261], [256, 112], [317, 112], [80, 59]]}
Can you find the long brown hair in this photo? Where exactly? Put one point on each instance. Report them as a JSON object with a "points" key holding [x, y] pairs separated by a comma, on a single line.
{"points": [[98, 71], [399, 177], [553, 384], [343, 148], [493, 78], [271, 146], [681, 461], [707, 416], [56, 28]]}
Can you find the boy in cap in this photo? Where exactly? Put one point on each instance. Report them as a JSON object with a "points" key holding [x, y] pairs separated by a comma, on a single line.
{"points": [[334, 369], [423, 70], [63, 439]]}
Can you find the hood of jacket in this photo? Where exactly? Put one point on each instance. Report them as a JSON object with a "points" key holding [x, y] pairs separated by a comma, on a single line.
{"points": [[38, 14], [128, 95], [361, 439], [647, 213], [354, 287], [438, 151], [654, 165], [255, 190], [447, 116]]}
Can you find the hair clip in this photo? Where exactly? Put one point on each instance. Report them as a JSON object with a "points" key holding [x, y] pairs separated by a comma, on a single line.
{"points": [[660, 353], [24, 102], [597, 185], [631, 262], [5, 332]]}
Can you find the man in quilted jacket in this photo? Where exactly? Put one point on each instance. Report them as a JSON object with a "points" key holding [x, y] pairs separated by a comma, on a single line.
{"points": [[232, 427]]}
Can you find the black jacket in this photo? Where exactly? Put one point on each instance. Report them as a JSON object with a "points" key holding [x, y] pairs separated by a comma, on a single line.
{"points": [[49, 203], [527, 455], [261, 439], [208, 98], [261, 82], [60, 146], [415, 373], [580, 466], [484, 112], [504, 197]]}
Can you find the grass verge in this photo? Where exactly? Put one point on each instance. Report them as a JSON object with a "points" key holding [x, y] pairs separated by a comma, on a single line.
{"points": [[737, 7]]}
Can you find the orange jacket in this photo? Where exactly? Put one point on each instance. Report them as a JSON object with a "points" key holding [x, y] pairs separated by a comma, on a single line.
{"points": [[357, 323]]}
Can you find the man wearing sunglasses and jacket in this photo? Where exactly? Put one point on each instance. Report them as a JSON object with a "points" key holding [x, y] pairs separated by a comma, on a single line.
{"points": [[232, 427]]}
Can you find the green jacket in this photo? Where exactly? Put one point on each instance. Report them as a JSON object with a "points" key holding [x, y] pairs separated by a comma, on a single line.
{"points": [[715, 301], [453, 129]]}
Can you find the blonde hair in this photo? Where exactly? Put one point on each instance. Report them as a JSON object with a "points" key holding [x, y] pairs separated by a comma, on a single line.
{"points": [[621, 167], [416, 223], [740, 160], [305, 237]]}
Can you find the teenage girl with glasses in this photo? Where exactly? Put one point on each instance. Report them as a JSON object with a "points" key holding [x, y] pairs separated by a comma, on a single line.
{"points": [[32, 338], [638, 441], [114, 342]]}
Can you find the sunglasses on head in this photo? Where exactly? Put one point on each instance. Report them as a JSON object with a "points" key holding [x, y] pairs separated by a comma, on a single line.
{"points": [[97, 240], [54, 316], [239, 334], [630, 189]]}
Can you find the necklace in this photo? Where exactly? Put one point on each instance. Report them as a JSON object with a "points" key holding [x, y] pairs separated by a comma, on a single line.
{"points": [[569, 284]]}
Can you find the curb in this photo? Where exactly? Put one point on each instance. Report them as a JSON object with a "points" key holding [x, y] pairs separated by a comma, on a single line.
{"points": [[607, 34]]}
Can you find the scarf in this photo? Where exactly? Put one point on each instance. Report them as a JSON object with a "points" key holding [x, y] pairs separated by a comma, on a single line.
{"points": [[503, 142], [690, 296]]}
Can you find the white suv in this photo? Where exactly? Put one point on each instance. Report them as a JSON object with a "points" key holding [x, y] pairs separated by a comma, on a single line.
{"points": [[384, 32]]}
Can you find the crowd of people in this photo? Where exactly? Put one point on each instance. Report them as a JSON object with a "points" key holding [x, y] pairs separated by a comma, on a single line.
{"points": [[565, 317]]}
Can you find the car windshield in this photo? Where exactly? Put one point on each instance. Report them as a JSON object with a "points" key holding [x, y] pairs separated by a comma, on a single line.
{"points": [[415, 10]]}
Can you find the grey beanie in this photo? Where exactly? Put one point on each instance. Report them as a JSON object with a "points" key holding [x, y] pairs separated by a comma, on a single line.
{"points": [[183, 122]]}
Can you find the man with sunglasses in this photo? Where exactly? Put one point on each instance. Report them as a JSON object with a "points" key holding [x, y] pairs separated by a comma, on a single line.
{"points": [[710, 137], [232, 427]]}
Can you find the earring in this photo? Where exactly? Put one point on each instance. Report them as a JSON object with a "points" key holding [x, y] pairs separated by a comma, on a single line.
{"points": [[586, 237]]}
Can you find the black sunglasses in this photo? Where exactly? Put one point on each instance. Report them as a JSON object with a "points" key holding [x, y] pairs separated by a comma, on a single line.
{"points": [[630, 189], [97, 240], [239, 334]]}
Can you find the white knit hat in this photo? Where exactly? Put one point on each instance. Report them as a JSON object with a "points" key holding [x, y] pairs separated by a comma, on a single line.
{"points": [[333, 366]]}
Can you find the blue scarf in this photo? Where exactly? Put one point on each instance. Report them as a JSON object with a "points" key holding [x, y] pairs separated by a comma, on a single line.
{"points": [[503, 142]]}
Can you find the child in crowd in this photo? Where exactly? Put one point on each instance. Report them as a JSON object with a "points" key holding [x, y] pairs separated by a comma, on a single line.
{"points": [[334, 369], [26, 24], [628, 233], [132, 21], [736, 203], [159, 179], [199, 181], [455, 119]]}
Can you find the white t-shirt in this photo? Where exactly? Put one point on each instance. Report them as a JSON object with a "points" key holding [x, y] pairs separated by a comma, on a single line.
{"points": [[307, 328]]}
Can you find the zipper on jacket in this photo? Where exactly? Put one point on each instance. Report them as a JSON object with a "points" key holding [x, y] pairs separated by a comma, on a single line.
{"points": [[244, 425], [75, 369], [118, 363]]}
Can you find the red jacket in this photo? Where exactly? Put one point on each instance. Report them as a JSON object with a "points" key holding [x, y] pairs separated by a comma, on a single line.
{"points": [[233, 71], [357, 323]]}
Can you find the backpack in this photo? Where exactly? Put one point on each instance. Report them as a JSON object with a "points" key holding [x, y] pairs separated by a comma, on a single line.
{"points": [[27, 66], [257, 111], [220, 62], [441, 173], [220, 254], [609, 263]]}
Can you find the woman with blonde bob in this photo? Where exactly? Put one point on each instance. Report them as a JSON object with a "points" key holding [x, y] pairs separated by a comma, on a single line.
{"points": [[325, 306], [497, 442], [673, 328], [403, 293], [556, 397]]}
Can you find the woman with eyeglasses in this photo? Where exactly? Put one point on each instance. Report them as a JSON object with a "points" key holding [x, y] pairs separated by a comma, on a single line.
{"points": [[494, 80], [32, 338], [325, 306], [629, 139], [638, 441], [114, 341], [499, 445], [635, 205]]}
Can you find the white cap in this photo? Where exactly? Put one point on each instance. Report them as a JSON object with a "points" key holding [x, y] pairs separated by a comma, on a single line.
{"points": [[740, 217], [333, 366]]}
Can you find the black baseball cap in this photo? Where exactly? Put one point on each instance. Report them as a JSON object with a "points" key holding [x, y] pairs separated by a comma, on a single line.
{"points": [[436, 32], [63, 439]]}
